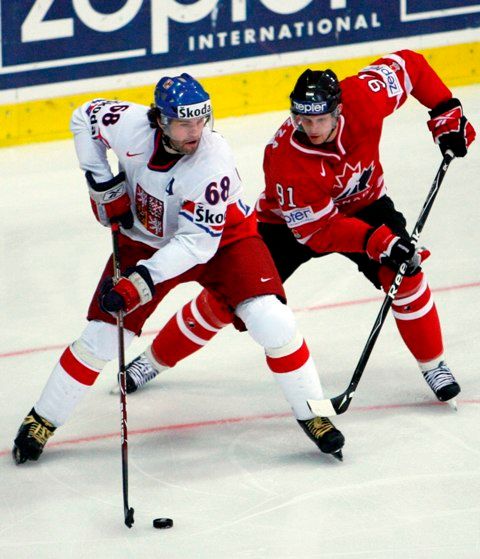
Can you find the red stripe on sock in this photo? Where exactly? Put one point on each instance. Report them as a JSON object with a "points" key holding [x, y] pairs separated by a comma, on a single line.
{"points": [[418, 304], [192, 324], [291, 362], [77, 370]]}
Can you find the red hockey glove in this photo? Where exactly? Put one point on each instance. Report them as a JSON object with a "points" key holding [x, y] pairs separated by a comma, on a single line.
{"points": [[133, 289], [110, 201], [387, 248], [450, 129]]}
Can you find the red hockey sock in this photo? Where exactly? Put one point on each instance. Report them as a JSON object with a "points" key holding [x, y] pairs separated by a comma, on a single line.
{"points": [[416, 316], [190, 329]]}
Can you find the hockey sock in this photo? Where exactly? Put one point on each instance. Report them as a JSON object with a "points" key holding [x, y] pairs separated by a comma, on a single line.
{"points": [[272, 325], [189, 329], [69, 381], [417, 318], [296, 374], [78, 369]]}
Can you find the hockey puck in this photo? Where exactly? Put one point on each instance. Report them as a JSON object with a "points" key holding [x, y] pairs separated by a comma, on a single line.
{"points": [[163, 523]]}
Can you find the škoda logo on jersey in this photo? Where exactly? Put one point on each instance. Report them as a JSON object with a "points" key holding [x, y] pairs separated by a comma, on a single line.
{"points": [[204, 218]]}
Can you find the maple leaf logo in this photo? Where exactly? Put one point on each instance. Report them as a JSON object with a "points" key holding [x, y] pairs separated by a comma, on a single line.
{"points": [[353, 180]]}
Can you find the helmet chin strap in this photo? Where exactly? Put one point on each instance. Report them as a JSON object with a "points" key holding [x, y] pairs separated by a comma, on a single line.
{"points": [[336, 116]]}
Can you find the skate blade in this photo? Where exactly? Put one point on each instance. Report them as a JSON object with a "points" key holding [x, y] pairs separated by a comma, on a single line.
{"points": [[453, 404], [338, 455]]}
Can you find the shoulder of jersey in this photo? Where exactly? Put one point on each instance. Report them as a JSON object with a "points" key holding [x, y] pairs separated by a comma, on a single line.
{"points": [[281, 139], [215, 145], [135, 111]]}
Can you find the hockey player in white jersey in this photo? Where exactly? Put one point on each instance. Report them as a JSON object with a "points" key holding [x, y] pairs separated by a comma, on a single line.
{"points": [[178, 201]]}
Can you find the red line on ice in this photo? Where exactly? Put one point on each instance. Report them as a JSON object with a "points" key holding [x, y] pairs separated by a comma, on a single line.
{"points": [[230, 420], [319, 307]]}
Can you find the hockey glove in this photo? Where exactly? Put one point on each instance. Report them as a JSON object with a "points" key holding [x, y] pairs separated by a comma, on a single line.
{"points": [[387, 248], [450, 129], [133, 289], [110, 201]]}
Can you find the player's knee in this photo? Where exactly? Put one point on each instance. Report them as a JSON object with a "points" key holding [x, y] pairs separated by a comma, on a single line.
{"points": [[269, 322], [212, 310], [98, 344]]}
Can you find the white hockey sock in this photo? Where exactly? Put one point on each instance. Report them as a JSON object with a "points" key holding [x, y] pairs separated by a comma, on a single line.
{"points": [[77, 370], [429, 365], [60, 396], [301, 385]]}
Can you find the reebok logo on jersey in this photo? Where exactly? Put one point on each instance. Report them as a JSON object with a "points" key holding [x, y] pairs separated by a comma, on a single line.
{"points": [[299, 216]]}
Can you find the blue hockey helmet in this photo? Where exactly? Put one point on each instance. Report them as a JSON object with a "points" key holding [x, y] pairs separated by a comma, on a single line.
{"points": [[316, 92], [182, 97]]}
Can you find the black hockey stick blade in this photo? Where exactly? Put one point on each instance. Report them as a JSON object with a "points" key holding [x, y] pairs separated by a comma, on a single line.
{"points": [[129, 517], [339, 404]]}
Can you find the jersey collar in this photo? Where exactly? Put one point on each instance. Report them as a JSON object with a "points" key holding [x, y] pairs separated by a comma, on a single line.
{"points": [[160, 159]]}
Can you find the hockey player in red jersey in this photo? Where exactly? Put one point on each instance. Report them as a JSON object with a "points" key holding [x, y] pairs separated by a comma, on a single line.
{"points": [[178, 200], [325, 193]]}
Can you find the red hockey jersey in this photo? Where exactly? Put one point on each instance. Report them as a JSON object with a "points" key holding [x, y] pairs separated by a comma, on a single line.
{"points": [[316, 190]]}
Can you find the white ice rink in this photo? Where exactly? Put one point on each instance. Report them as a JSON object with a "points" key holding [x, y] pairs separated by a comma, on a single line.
{"points": [[212, 443]]}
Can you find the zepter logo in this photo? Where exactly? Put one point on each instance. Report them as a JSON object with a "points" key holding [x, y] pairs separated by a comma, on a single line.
{"points": [[310, 108]]}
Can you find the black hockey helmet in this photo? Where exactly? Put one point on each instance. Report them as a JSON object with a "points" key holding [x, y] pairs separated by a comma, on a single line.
{"points": [[316, 92]]}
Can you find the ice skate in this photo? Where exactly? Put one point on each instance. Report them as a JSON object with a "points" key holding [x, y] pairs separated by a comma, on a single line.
{"points": [[32, 436], [137, 373], [442, 382], [325, 435]]}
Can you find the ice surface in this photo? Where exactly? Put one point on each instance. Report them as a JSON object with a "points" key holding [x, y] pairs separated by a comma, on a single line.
{"points": [[212, 443]]}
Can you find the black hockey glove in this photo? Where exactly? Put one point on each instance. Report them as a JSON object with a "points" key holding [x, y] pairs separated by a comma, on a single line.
{"points": [[133, 289], [110, 200], [450, 129], [384, 246]]}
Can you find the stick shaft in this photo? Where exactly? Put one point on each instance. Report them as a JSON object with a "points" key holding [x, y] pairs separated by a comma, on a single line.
{"points": [[128, 512], [339, 404]]}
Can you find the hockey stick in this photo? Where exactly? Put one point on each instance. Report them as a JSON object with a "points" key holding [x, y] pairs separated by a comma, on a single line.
{"points": [[339, 404], [128, 512]]}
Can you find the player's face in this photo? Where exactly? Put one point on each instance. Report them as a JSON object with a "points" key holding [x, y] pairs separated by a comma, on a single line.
{"points": [[185, 134], [318, 128]]}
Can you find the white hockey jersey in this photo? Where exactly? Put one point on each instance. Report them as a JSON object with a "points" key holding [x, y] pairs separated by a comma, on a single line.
{"points": [[186, 209]]}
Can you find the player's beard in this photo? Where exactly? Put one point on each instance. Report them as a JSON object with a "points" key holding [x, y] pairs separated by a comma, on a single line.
{"points": [[188, 147]]}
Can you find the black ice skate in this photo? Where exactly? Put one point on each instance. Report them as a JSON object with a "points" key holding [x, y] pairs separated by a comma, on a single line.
{"points": [[34, 432], [139, 372], [325, 435], [442, 382]]}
